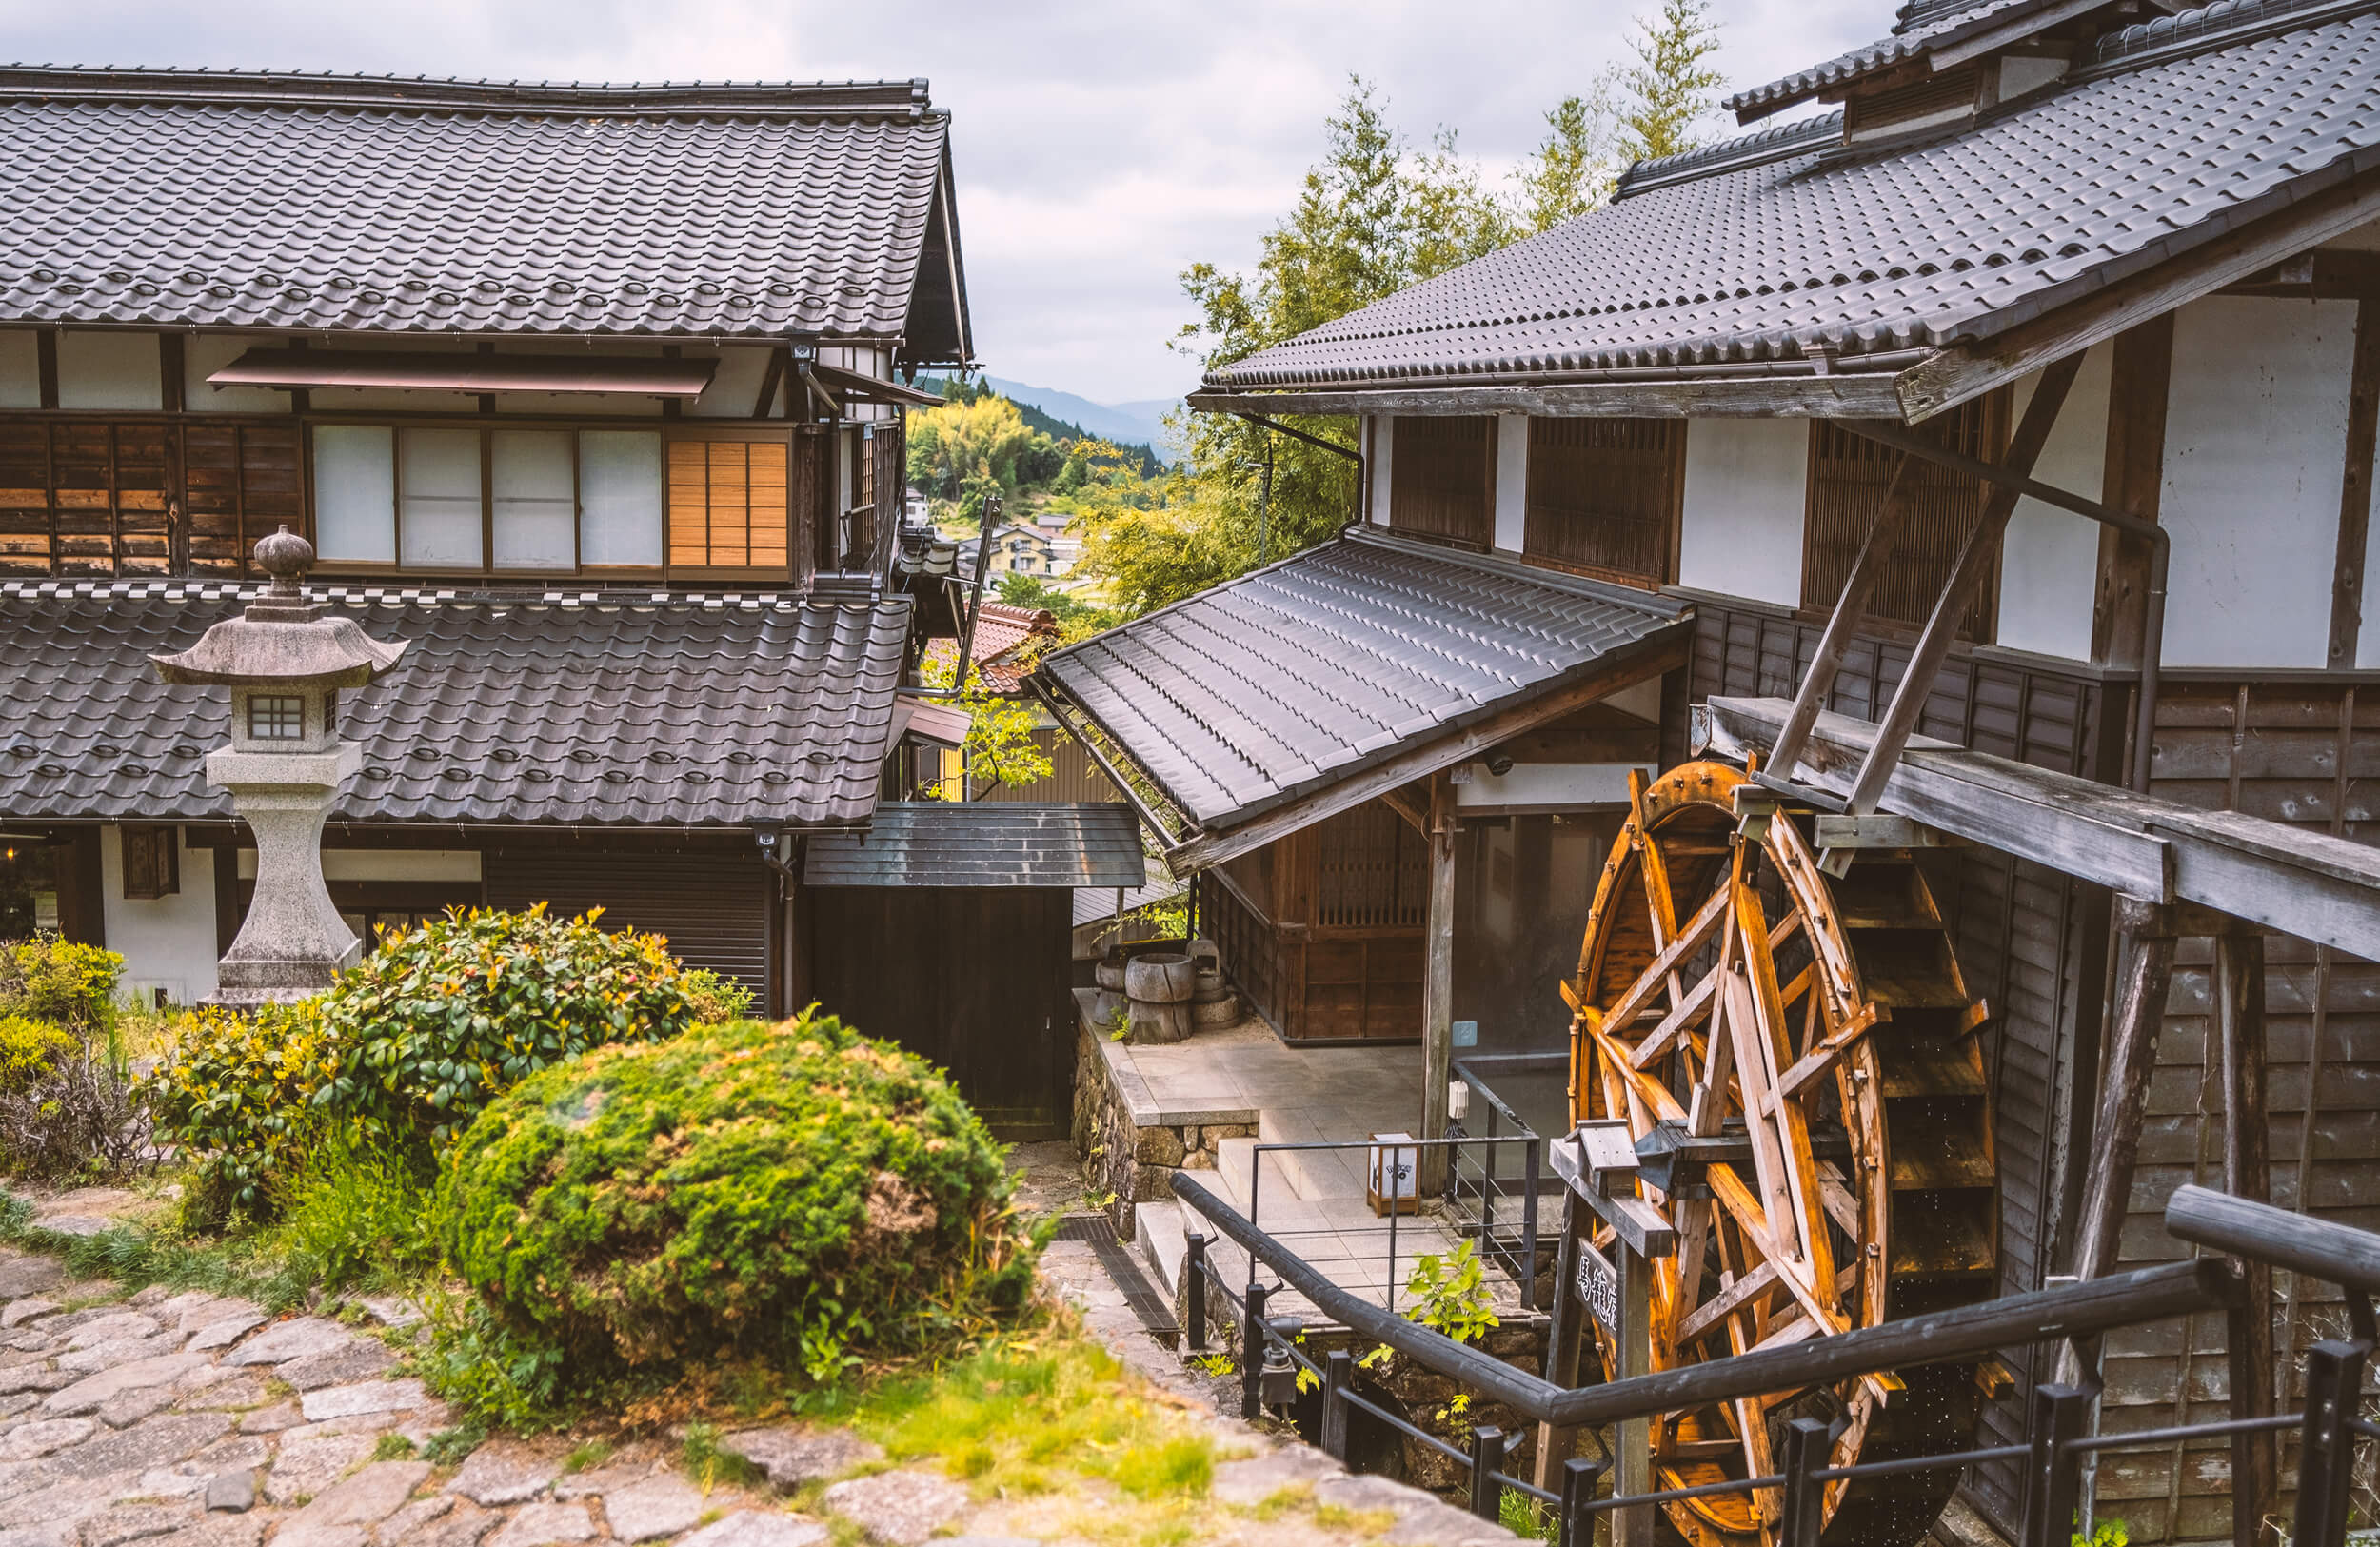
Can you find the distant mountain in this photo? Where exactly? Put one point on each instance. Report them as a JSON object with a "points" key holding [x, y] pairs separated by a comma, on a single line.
{"points": [[1126, 423]]}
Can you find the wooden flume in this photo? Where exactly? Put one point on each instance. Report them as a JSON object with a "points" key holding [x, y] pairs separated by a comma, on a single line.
{"points": [[1728, 990]]}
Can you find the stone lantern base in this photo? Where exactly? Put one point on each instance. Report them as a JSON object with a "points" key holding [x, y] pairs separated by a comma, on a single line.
{"points": [[293, 942]]}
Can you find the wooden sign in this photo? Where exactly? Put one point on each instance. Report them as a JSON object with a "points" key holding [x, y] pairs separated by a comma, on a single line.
{"points": [[1598, 1288]]}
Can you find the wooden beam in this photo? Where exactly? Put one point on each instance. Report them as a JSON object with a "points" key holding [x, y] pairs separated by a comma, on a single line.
{"points": [[2132, 480], [770, 380], [1851, 611], [1950, 608], [2239, 1006], [2107, 303], [1660, 652], [1437, 982], [1853, 395], [2123, 1098], [1415, 811], [46, 365], [2363, 438]]}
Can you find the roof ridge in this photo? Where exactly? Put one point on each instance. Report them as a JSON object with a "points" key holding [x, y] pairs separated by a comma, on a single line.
{"points": [[1774, 143], [2216, 25], [422, 93], [359, 594]]}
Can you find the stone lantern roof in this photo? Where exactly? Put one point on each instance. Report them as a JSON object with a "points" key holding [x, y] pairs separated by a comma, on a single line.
{"points": [[283, 640]]}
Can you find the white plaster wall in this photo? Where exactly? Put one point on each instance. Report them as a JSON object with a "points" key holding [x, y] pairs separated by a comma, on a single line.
{"points": [[1512, 481], [1545, 785], [20, 368], [386, 864], [734, 386], [205, 353], [2368, 639], [1747, 480], [1383, 449], [107, 370], [167, 942], [2049, 560], [2255, 445]]}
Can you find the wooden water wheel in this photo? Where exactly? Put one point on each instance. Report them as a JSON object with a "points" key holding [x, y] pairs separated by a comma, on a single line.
{"points": [[1819, 1032]]}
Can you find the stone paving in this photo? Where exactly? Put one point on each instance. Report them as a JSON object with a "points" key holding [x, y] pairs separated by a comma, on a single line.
{"points": [[182, 1420]]}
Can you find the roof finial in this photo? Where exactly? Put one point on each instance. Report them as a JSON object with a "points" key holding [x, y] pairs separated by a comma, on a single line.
{"points": [[285, 557]]}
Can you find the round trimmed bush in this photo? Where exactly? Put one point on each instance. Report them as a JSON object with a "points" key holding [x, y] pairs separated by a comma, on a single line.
{"points": [[795, 1191]]}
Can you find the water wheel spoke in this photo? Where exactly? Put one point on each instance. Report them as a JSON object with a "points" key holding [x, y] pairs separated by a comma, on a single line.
{"points": [[1786, 998]]}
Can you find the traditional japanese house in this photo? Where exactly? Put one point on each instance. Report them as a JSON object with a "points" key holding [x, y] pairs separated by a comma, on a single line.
{"points": [[594, 393], [1971, 485]]}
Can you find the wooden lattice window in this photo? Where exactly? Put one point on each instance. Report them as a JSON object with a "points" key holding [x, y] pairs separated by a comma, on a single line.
{"points": [[1374, 869], [95, 497], [1848, 477], [152, 861], [240, 482], [1603, 496], [727, 504], [1442, 479]]}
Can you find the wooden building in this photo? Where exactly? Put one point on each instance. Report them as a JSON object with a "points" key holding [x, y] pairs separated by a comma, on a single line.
{"points": [[2022, 406]]}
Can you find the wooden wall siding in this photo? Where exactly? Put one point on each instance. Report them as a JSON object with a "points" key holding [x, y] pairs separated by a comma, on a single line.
{"points": [[1324, 935], [2300, 750], [1848, 477], [2025, 933], [1442, 479], [1604, 496], [1072, 776], [974, 978], [713, 908], [102, 497], [727, 502]]}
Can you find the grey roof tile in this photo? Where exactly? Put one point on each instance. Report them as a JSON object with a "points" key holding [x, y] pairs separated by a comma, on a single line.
{"points": [[1783, 244], [1300, 674], [983, 844], [508, 708], [244, 200]]}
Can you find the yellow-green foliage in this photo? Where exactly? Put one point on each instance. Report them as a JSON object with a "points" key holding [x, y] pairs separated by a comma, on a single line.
{"points": [[236, 1093], [404, 1049], [795, 1191], [29, 1051], [56, 980]]}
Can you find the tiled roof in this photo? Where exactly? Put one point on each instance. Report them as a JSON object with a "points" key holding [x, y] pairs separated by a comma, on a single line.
{"points": [[510, 708], [1912, 36], [996, 634], [244, 200], [1779, 247], [1296, 676], [983, 844]]}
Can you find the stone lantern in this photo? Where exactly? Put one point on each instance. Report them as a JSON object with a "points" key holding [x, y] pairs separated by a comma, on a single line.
{"points": [[284, 662]]}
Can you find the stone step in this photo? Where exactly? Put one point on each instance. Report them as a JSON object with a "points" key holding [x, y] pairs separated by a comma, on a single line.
{"points": [[1162, 1239]]}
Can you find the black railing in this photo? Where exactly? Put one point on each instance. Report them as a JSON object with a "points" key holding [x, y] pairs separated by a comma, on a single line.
{"points": [[1400, 1159], [2058, 1443], [1476, 1195]]}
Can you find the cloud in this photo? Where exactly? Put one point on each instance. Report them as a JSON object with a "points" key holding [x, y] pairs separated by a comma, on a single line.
{"points": [[1100, 149]]}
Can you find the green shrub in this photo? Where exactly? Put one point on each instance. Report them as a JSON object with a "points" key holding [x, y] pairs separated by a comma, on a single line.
{"points": [[30, 1051], [235, 1092], [404, 1049], [52, 979], [355, 1209], [716, 1000], [796, 1192], [428, 1029]]}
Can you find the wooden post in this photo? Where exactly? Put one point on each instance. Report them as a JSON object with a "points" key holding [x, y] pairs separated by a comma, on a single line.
{"points": [[2247, 1173], [1438, 985], [2133, 480], [2363, 433], [1632, 1443], [1974, 559], [2124, 1090], [1565, 1343], [1851, 611]]}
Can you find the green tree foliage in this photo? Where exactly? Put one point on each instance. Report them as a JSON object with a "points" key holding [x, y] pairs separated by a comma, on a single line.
{"points": [[961, 447], [1373, 216]]}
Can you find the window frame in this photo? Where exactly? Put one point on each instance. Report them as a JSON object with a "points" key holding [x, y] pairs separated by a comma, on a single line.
{"points": [[669, 431]]}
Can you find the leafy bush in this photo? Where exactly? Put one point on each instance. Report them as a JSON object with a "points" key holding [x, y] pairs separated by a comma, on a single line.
{"points": [[715, 1000], [430, 1027], [404, 1049], [52, 978], [29, 1052], [354, 1210], [236, 1094], [796, 1192]]}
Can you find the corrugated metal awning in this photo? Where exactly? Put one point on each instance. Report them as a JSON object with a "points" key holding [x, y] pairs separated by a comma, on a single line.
{"points": [[468, 372], [983, 844]]}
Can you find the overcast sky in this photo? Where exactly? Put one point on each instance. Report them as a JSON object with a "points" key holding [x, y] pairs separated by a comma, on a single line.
{"points": [[1100, 147]]}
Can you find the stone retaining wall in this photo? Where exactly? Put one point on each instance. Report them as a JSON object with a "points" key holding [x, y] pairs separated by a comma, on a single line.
{"points": [[1131, 1153]]}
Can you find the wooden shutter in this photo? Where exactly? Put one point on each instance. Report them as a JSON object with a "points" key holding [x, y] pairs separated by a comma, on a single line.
{"points": [[1442, 479], [84, 496], [1848, 477], [1603, 496], [727, 502], [240, 481]]}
